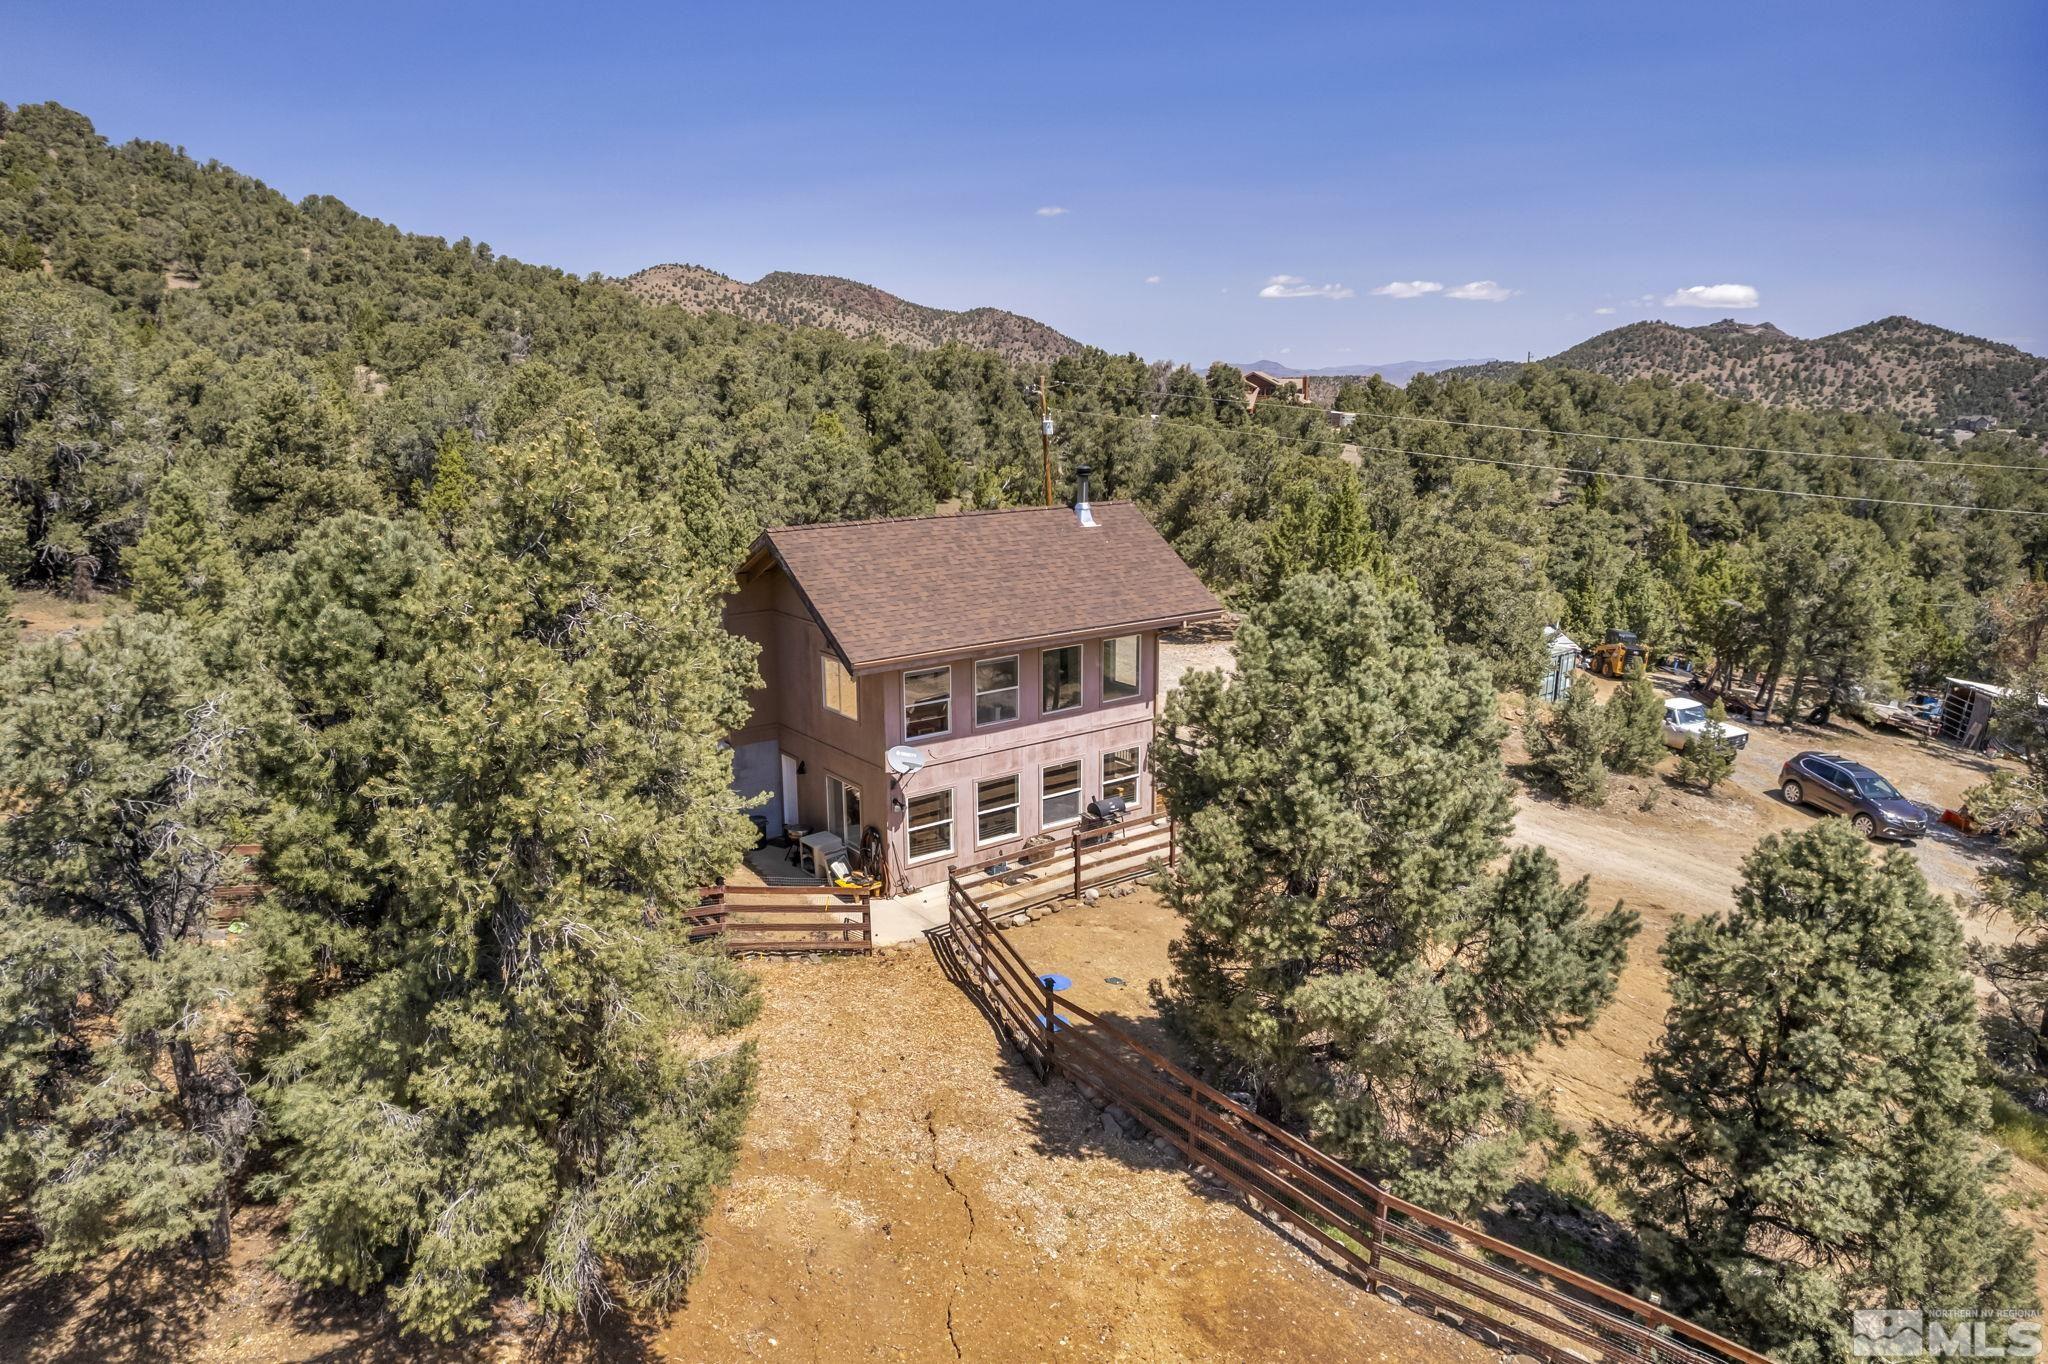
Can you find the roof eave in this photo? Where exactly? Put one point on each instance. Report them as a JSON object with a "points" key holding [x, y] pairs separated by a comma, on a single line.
{"points": [[989, 647]]}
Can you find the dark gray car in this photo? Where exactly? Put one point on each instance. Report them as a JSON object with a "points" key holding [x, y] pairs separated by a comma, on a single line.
{"points": [[1833, 783]]}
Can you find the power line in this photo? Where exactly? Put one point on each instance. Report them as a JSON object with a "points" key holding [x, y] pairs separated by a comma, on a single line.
{"points": [[1610, 473], [1588, 435]]}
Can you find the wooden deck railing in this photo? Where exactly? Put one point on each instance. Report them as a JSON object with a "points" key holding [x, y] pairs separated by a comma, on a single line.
{"points": [[784, 919], [1082, 859], [1526, 1302]]}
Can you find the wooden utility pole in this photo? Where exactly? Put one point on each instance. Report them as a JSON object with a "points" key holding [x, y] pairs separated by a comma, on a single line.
{"points": [[1045, 434]]}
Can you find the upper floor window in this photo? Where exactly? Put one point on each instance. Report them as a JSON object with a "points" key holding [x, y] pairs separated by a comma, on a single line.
{"points": [[842, 693], [927, 703], [995, 690], [1120, 667], [1062, 676]]}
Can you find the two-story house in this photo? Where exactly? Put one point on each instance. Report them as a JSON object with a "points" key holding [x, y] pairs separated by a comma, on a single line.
{"points": [[1016, 651]]}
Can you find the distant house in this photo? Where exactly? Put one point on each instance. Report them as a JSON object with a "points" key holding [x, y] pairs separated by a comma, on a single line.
{"points": [[1014, 654], [1973, 424], [1260, 385]]}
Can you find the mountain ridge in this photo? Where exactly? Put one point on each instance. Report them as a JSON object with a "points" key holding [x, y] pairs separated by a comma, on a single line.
{"points": [[1394, 372], [1896, 364], [862, 311]]}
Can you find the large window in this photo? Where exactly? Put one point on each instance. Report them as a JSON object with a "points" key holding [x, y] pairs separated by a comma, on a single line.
{"points": [[1059, 794], [842, 693], [995, 810], [1119, 668], [927, 703], [995, 690], [1120, 775], [1062, 674], [931, 825], [842, 808]]}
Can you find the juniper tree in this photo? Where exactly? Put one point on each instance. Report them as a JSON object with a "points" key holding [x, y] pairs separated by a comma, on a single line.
{"points": [[1813, 1113], [340, 622], [126, 1115], [526, 1079], [1706, 760], [1634, 717], [1349, 951], [1568, 743]]}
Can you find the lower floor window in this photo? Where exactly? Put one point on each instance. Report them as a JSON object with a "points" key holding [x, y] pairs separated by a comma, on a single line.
{"points": [[1120, 775], [931, 824], [995, 810], [1060, 794]]}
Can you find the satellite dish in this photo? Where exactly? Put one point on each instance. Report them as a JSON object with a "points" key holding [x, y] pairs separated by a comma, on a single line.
{"points": [[903, 760]]}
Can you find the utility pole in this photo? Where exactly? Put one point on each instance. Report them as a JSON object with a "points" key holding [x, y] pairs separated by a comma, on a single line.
{"points": [[1045, 433]]}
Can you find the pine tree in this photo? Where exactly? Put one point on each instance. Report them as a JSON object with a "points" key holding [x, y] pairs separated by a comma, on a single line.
{"points": [[444, 500], [1707, 759], [1814, 1108], [122, 1042], [1568, 744], [941, 471], [183, 565], [1635, 724], [1348, 953], [1319, 522], [524, 1079], [293, 464]]}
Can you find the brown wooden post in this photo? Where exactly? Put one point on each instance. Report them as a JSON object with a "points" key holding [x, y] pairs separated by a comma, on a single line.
{"points": [[1372, 1250], [1074, 840], [867, 922], [1172, 843]]}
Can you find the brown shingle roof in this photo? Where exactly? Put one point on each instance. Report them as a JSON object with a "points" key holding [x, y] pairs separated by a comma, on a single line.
{"points": [[890, 592]]}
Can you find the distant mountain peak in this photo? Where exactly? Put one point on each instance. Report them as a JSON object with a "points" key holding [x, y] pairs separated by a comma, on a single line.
{"points": [[1896, 364], [1731, 326], [852, 308]]}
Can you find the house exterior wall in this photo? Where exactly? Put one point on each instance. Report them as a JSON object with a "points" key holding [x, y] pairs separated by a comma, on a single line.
{"points": [[966, 755], [788, 712], [788, 708]]}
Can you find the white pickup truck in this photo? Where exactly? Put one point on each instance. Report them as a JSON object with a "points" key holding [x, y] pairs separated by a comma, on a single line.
{"points": [[1685, 720]]}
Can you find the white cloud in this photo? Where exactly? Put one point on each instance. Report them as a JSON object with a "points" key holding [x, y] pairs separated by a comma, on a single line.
{"points": [[1602, 312], [1409, 288], [1713, 296], [1481, 291], [1294, 286], [1151, 279], [1051, 211]]}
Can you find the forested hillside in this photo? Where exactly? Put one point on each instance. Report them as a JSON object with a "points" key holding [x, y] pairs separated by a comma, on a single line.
{"points": [[1895, 365], [427, 546], [853, 309]]}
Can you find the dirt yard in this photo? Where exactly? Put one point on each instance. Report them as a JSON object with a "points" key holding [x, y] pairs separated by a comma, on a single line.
{"points": [[45, 615], [910, 1191]]}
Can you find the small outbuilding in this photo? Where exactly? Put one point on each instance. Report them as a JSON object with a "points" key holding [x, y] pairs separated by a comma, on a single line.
{"points": [[1563, 652], [1967, 709]]}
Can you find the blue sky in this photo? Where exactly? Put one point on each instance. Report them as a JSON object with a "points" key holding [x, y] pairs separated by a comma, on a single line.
{"points": [[1233, 181]]}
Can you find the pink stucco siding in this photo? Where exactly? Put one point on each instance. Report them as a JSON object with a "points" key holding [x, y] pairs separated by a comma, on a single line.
{"points": [[789, 712]]}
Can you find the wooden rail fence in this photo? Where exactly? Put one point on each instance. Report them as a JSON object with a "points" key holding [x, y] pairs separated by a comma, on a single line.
{"points": [[780, 919], [1524, 1301]]}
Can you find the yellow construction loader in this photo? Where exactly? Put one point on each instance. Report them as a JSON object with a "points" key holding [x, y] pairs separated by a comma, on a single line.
{"points": [[1613, 656]]}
